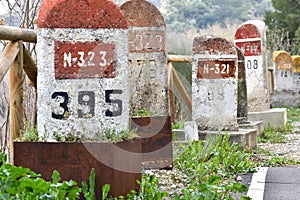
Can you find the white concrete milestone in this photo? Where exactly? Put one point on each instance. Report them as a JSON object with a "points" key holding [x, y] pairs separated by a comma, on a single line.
{"points": [[214, 84], [148, 74], [82, 68], [283, 71], [251, 38]]}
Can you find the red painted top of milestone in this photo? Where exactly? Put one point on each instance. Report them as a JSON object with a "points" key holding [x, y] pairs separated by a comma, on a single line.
{"points": [[247, 31], [80, 14], [141, 13], [211, 45]]}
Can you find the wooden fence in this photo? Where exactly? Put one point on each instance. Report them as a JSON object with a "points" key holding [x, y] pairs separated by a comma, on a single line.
{"points": [[17, 60]]}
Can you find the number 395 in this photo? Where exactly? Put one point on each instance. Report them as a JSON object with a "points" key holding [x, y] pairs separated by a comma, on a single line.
{"points": [[86, 104]]}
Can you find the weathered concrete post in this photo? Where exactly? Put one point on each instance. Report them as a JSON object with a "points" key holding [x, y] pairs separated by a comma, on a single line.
{"points": [[250, 37], [148, 76], [242, 105], [296, 72], [284, 94], [214, 84], [214, 89], [148, 81], [283, 78], [83, 67]]}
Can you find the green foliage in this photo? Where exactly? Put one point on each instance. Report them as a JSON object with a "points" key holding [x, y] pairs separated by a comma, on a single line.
{"points": [[67, 136], [29, 134], [105, 191], [89, 191], [275, 135], [182, 15], [210, 168], [276, 161], [149, 189], [22, 183], [293, 114], [286, 18], [110, 135], [141, 113], [178, 125]]}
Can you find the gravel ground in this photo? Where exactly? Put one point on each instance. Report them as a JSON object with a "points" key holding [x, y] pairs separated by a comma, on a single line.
{"points": [[291, 149], [172, 180]]}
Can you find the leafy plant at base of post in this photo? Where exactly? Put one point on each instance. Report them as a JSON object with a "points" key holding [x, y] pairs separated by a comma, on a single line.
{"points": [[89, 191], [149, 189], [22, 183], [275, 135], [211, 168]]}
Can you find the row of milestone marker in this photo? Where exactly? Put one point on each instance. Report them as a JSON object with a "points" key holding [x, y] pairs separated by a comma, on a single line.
{"points": [[96, 67]]}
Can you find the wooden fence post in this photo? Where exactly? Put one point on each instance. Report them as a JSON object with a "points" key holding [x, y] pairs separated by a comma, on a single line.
{"points": [[7, 58], [16, 98], [171, 92]]}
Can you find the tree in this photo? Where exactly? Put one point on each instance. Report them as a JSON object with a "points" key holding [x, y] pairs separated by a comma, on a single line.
{"points": [[182, 15], [285, 20]]}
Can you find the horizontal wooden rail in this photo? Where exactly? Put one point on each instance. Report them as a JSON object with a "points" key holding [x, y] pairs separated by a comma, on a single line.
{"points": [[179, 58], [14, 33]]}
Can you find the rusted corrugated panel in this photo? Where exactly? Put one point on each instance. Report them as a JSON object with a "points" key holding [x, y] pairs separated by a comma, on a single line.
{"points": [[156, 135], [75, 161]]}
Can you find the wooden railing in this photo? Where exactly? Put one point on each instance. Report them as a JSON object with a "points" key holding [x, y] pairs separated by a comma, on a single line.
{"points": [[17, 60], [174, 81]]}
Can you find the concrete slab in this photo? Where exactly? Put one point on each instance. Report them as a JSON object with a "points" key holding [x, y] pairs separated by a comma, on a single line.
{"points": [[178, 134], [245, 137], [277, 117], [285, 98], [258, 125]]}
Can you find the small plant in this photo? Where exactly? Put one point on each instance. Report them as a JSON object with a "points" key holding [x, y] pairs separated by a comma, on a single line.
{"points": [[22, 183], [149, 189], [89, 191], [275, 135], [110, 135], [210, 168], [29, 134], [141, 113], [178, 125], [293, 114], [67, 137]]}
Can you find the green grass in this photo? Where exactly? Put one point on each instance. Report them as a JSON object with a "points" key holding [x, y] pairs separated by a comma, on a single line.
{"points": [[293, 114]]}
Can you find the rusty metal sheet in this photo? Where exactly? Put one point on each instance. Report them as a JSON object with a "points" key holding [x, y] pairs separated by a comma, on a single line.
{"points": [[156, 136], [75, 161]]}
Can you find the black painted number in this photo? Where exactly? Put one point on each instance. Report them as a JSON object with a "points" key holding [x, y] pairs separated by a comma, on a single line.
{"points": [[118, 102], [60, 110], [86, 99], [252, 64]]}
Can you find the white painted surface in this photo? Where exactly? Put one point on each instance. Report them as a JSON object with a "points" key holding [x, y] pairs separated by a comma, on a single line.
{"points": [[257, 186], [191, 131], [47, 84]]}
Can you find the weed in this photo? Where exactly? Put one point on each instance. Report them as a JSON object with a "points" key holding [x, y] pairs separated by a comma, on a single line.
{"points": [[210, 168], [293, 114], [89, 191], [22, 183], [275, 135], [178, 125], [29, 134], [141, 113], [110, 135]]}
